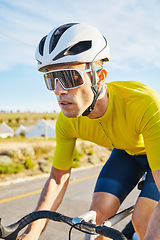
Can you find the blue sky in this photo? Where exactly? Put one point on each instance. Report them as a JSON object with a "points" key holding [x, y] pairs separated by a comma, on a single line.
{"points": [[131, 27]]}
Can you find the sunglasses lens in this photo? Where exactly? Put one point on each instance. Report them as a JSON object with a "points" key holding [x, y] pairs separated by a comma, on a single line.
{"points": [[68, 78], [50, 83]]}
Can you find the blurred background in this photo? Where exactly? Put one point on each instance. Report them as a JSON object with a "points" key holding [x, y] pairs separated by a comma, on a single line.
{"points": [[133, 32], [131, 27]]}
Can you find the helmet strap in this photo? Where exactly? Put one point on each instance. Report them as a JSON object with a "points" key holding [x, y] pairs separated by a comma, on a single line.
{"points": [[95, 90]]}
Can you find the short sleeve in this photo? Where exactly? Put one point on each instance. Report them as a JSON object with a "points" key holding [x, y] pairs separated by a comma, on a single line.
{"points": [[65, 144], [150, 128]]}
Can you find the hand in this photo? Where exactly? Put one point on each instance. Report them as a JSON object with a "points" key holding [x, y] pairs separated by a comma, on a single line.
{"points": [[24, 236]]}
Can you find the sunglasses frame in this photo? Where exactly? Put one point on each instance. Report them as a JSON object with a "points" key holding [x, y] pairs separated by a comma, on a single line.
{"points": [[66, 69]]}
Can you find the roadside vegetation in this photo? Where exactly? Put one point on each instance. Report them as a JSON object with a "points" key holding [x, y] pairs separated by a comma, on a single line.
{"points": [[28, 157], [21, 156], [14, 120]]}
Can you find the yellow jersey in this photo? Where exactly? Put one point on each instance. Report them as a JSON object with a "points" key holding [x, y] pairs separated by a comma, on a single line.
{"points": [[131, 123]]}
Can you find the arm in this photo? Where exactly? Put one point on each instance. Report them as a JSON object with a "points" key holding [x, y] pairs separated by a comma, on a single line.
{"points": [[149, 125], [153, 230], [50, 199]]}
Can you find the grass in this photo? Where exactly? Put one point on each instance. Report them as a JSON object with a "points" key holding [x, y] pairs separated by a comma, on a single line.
{"points": [[21, 157], [24, 139], [77, 160], [42, 149], [27, 118], [11, 168], [29, 164]]}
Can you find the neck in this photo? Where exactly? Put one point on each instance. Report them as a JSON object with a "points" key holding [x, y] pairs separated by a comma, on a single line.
{"points": [[101, 105]]}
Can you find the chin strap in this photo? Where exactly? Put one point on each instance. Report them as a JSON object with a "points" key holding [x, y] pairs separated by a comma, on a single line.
{"points": [[95, 90]]}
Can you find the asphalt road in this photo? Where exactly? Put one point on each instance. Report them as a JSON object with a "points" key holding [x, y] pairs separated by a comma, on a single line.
{"points": [[20, 199]]}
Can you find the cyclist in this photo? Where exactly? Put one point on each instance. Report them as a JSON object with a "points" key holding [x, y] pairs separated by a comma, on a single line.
{"points": [[122, 115]]}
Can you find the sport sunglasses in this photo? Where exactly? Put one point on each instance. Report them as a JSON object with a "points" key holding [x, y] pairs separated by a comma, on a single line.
{"points": [[68, 78]]}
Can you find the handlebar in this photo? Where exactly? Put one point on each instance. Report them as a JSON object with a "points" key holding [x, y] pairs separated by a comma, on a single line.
{"points": [[11, 232]]}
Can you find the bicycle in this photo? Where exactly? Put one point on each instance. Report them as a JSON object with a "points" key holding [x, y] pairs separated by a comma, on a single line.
{"points": [[84, 223]]}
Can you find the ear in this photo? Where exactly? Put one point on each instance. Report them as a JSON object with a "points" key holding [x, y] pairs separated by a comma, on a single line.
{"points": [[102, 75]]}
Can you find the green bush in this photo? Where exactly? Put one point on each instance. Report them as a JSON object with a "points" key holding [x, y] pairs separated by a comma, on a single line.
{"points": [[50, 159], [11, 168], [76, 161], [90, 152], [40, 150], [29, 164]]}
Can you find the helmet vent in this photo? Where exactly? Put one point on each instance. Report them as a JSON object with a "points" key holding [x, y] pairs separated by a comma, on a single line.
{"points": [[57, 34], [75, 49], [79, 48], [41, 45]]}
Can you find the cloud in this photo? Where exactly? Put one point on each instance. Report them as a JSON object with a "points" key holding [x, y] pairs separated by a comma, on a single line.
{"points": [[134, 33], [132, 28]]}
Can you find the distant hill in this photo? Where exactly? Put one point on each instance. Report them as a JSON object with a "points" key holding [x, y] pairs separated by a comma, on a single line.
{"points": [[26, 118]]}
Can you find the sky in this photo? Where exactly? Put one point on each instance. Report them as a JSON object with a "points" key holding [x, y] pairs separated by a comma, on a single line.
{"points": [[131, 27]]}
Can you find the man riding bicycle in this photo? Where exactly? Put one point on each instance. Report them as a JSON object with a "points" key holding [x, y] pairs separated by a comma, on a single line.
{"points": [[123, 116]]}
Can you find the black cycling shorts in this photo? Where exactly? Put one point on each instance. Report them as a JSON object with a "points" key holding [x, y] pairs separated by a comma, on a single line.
{"points": [[122, 172]]}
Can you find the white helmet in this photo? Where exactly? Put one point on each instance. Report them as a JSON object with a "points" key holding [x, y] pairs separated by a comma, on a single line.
{"points": [[71, 43]]}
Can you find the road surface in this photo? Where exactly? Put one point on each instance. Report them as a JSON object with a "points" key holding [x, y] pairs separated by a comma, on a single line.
{"points": [[20, 199]]}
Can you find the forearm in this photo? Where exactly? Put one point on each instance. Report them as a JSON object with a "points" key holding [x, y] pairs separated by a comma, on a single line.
{"points": [[52, 195], [50, 199]]}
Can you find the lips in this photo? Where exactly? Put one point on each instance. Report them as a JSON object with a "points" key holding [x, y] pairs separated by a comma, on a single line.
{"points": [[64, 104]]}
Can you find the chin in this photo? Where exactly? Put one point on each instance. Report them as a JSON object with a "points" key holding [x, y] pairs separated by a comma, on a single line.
{"points": [[71, 114]]}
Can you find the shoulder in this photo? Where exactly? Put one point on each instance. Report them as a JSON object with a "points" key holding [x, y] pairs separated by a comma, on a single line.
{"points": [[133, 89], [127, 85], [137, 99]]}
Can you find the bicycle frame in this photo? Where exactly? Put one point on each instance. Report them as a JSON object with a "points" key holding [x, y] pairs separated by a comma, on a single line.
{"points": [[91, 216], [114, 219]]}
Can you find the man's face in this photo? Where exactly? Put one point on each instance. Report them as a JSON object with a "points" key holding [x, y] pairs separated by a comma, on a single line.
{"points": [[73, 102]]}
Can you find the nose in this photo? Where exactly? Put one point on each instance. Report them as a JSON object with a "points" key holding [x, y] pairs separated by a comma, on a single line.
{"points": [[59, 90]]}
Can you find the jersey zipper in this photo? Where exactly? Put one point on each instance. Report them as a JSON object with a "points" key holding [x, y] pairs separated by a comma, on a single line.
{"points": [[105, 133]]}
